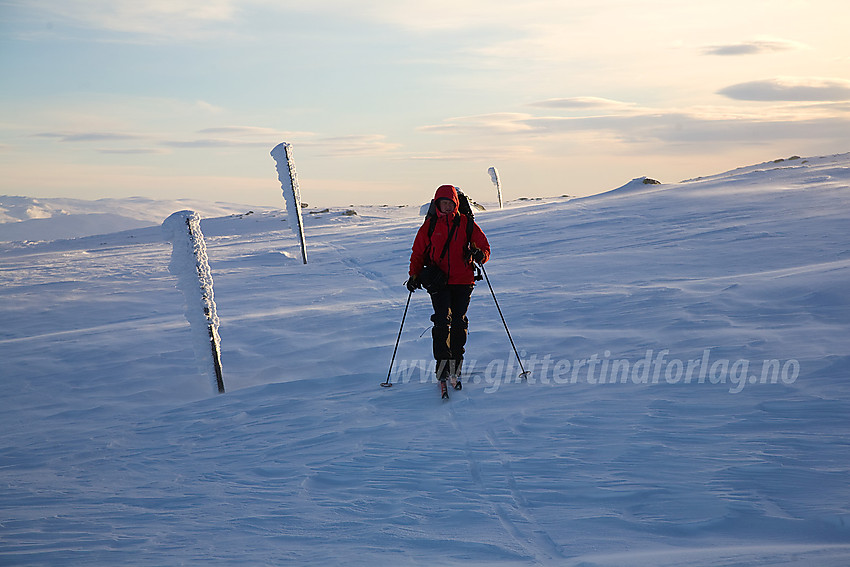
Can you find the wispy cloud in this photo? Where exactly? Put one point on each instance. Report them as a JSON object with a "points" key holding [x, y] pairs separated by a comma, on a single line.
{"points": [[584, 103], [253, 131], [632, 124], [236, 136], [239, 130], [445, 15], [209, 107], [790, 89], [73, 137], [691, 128], [202, 143], [164, 19], [131, 151], [232, 136], [496, 123], [484, 152], [119, 143], [755, 47], [353, 145]]}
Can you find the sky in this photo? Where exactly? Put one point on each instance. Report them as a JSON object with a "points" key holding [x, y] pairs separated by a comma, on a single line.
{"points": [[384, 100]]}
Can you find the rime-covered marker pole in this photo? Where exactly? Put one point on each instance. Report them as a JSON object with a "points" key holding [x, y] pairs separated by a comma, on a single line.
{"points": [[282, 154], [494, 177], [189, 263]]}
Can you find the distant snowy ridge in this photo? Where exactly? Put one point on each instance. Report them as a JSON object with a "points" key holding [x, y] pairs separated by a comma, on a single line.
{"points": [[779, 163], [35, 219], [45, 219]]}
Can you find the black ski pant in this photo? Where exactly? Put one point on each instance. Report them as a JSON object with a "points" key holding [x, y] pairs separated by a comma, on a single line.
{"points": [[450, 327]]}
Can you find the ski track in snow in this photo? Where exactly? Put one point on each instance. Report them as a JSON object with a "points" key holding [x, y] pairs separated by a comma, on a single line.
{"points": [[114, 450]]}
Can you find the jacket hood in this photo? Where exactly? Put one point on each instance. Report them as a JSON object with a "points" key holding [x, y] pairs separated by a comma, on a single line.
{"points": [[447, 192]]}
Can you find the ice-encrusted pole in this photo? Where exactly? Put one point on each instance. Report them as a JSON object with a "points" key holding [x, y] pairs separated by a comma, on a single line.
{"points": [[189, 263], [282, 154], [494, 177]]}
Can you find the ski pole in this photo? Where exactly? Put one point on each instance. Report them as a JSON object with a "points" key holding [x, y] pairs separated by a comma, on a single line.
{"points": [[387, 384], [524, 374]]}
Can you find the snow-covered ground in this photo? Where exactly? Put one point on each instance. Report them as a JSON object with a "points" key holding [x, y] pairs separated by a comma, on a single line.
{"points": [[688, 405], [26, 218]]}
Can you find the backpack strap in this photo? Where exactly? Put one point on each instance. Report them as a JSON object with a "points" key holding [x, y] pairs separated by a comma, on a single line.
{"points": [[432, 222], [455, 224], [470, 226]]}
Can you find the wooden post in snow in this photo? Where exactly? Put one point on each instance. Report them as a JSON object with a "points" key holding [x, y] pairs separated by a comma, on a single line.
{"points": [[282, 154]]}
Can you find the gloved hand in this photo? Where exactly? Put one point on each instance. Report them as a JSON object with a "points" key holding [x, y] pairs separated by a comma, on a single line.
{"points": [[477, 256], [413, 284]]}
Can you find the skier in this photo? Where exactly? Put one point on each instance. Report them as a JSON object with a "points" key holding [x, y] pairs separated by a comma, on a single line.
{"points": [[445, 247]]}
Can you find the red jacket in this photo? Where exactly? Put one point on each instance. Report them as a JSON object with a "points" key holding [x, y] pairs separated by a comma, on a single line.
{"points": [[458, 268]]}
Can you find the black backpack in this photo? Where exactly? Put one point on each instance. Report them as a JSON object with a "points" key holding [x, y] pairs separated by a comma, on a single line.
{"points": [[464, 208]]}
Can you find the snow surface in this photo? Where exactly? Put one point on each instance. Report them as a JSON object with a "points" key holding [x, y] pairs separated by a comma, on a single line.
{"points": [[114, 451]]}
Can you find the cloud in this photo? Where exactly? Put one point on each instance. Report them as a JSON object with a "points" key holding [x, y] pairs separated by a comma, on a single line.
{"points": [[626, 124], [252, 131], [132, 151], [219, 137], [790, 89], [355, 145], [231, 137], [445, 15], [142, 20], [691, 128], [164, 19], [202, 143], [237, 136], [88, 136], [495, 123], [192, 19], [756, 47], [583, 103], [208, 107], [477, 153], [252, 136]]}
